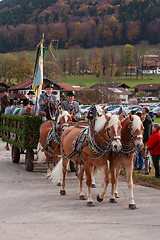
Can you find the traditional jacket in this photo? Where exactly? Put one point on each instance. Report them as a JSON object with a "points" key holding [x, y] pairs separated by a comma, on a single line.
{"points": [[65, 105], [44, 97], [153, 143], [8, 110]]}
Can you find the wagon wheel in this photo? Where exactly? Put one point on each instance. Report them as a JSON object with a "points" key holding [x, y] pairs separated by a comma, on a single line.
{"points": [[72, 167], [15, 154], [29, 158]]}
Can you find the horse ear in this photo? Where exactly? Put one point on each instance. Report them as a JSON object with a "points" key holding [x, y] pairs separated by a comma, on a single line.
{"points": [[142, 118], [71, 113], [121, 117], [103, 107], [131, 116]]}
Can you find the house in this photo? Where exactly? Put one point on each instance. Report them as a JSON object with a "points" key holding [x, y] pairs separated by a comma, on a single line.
{"points": [[59, 89], [113, 91], [111, 85], [153, 90]]}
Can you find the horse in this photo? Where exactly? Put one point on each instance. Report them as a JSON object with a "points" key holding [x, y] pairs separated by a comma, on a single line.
{"points": [[132, 140], [50, 134], [89, 148]]}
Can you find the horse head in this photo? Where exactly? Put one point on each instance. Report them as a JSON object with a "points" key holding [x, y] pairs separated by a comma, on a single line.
{"points": [[64, 118], [109, 127], [135, 131]]}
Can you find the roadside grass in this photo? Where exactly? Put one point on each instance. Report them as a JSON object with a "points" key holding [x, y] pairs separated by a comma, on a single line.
{"points": [[142, 179], [157, 120]]}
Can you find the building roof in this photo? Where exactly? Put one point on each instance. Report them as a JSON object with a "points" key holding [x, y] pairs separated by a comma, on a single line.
{"points": [[67, 87], [23, 85], [5, 85], [143, 87], [112, 85], [27, 84], [14, 96]]}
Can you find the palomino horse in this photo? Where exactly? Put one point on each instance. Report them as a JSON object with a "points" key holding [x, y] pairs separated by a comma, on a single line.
{"points": [[50, 134], [89, 148], [132, 140]]}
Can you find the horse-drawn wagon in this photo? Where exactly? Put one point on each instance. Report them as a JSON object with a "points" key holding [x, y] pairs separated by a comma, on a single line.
{"points": [[22, 133]]}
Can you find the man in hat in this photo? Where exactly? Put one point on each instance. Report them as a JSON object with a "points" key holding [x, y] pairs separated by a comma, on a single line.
{"points": [[4, 101], [30, 96], [47, 103], [18, 107], [70, 104], [9, 107]]}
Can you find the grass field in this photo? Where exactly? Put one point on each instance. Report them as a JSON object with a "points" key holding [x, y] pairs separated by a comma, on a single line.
{"points": [[88, 81]]}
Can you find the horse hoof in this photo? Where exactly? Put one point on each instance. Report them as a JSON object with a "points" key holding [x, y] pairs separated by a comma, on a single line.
{"points": [[112, 200], [59, 184], [99, 199], [90, 204], [82, 197], [132, 206], [93, 185], [116, 195], [63, 192]]}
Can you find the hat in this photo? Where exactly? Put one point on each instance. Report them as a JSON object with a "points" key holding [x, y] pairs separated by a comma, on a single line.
{"points": [[48, 86], [70, 93], [20, 101], [25, 101], [30, 92], [11, 101]]}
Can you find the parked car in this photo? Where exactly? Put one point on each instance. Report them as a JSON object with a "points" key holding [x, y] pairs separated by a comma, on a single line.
{"points": [[84, 108], [155, 112]]}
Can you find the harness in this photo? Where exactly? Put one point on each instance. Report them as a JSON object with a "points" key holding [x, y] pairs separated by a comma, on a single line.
{"points": [[84, 139], [128, 151], [53, 135]]}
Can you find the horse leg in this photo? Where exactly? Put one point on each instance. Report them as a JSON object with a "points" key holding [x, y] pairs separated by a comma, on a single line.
{"points": [[113, 184], [129, 171], [93, 185], [64, 171], [88, 183], [100, 197], [116, 181], [47, 160], [81, 193]]}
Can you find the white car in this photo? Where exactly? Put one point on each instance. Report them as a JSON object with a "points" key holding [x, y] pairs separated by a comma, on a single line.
{"points": [[84, 108]]}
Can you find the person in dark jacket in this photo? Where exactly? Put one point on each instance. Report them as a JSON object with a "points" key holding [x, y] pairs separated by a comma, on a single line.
{"points": [[146, 134], [4, 101], [47, 103], [153, 145]]}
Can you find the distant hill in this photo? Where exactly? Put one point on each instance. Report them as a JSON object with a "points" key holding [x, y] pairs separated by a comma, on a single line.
{"points": [[84, 23]]}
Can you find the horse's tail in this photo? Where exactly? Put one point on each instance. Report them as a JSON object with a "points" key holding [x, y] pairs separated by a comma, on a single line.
{"points": [[40, 155], [56, 174]]}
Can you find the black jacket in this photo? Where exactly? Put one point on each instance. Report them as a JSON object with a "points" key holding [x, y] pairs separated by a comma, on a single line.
{"points": [[147, 128]]}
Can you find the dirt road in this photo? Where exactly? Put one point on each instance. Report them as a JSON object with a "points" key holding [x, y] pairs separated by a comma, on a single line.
{"points": [[31, 208]]}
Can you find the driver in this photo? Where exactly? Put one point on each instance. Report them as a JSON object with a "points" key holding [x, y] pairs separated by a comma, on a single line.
{"points": [[47, 103]]}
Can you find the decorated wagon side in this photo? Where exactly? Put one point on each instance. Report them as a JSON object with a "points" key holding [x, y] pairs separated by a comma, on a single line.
{"points": [[22, 132]]}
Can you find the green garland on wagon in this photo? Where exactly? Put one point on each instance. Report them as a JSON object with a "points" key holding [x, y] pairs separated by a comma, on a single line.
{"points": [[21, 131]]}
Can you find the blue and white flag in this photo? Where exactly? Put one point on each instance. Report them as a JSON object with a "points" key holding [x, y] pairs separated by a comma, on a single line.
{"points": [[38, 71]]}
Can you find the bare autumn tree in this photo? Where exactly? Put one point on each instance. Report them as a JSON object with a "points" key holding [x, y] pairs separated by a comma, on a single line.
{"points": [[89, 96]]}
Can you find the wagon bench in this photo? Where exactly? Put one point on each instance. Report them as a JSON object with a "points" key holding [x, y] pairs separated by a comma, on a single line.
{"points": [[22, 132]]}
